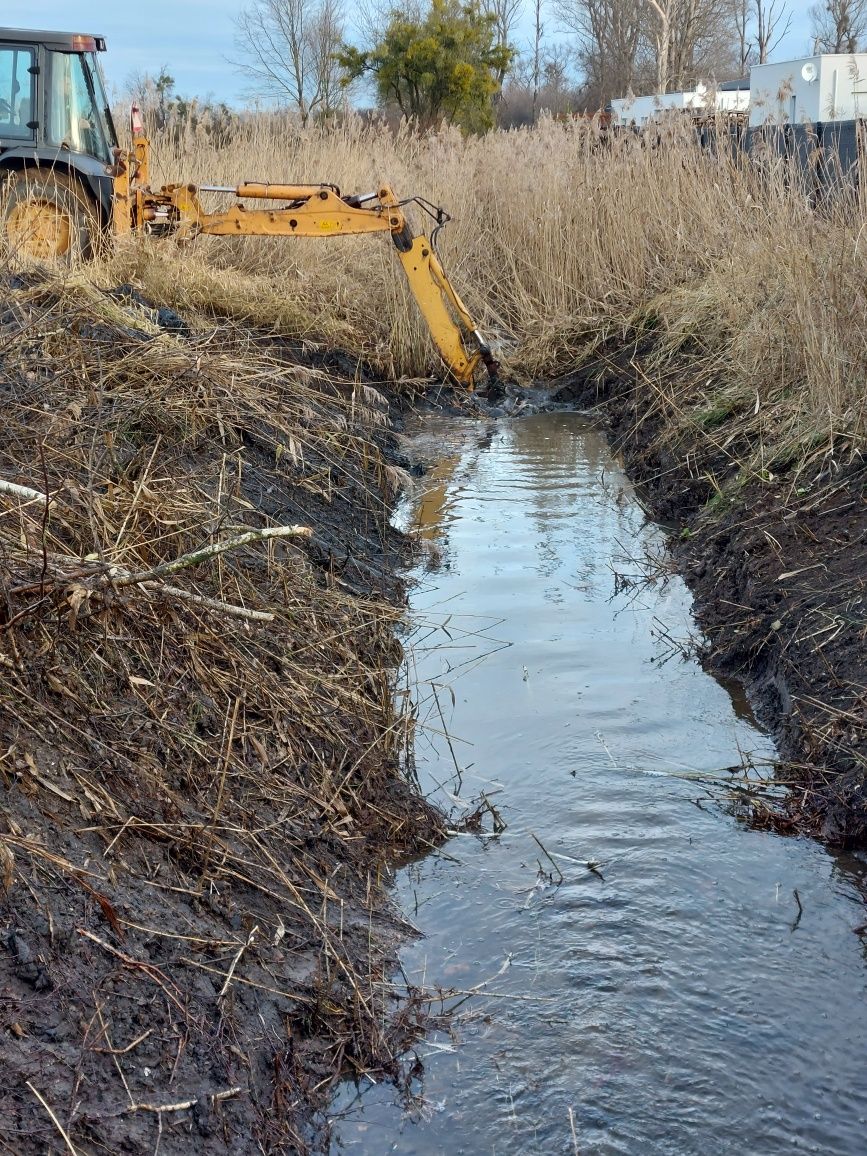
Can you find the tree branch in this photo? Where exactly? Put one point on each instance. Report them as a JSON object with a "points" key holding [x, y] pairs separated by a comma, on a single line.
{"points": [[202, 555]]}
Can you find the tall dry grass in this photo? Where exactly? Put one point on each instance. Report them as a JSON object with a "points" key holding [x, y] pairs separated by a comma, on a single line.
{"points": [[555, 243]]}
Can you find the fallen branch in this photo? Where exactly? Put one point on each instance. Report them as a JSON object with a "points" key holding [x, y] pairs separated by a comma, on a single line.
{"points": [[196, 556], [212, 603], [25, 492], [118, 576], [184, 1105]]}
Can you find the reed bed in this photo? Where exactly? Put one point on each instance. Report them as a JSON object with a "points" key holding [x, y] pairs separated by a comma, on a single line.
{"points": [[199, 748], [558, 244]]}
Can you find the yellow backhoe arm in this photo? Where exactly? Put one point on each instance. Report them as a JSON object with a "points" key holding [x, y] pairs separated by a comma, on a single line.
{"points": [[312, 211], [440, 305]]}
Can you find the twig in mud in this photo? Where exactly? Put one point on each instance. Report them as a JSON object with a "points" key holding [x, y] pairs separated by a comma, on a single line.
{"points": [[114, 1052], [148, 968], [72, 1149], [183, 1105], [129, 1047], [236, 961], [286, 995]]}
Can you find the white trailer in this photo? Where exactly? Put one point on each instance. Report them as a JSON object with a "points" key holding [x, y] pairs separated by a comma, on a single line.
{"points": [[701, 101]]}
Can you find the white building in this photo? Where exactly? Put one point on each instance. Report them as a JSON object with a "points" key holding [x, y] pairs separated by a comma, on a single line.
{"points": [[701, 101], [814, 88]]}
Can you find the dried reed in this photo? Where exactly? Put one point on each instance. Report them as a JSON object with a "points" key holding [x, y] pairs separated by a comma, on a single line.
{"points": [[556, 243], [199, 754]]}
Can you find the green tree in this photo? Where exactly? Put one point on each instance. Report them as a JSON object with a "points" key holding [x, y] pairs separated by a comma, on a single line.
{"points": [[446, 65]]}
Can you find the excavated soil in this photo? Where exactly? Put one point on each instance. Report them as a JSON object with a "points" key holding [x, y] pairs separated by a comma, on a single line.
{"points": [[777, 564], [201, 769]]}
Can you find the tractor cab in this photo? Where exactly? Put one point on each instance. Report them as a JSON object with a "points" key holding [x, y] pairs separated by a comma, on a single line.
{"points": [[57, 141]]}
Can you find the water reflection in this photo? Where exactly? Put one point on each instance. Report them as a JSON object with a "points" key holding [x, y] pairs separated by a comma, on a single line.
{"points": [[646, 978], [432, 510]]}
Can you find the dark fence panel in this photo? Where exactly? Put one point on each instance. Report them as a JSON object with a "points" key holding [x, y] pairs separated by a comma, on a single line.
{"points": [[824, 159], [826, 156]]}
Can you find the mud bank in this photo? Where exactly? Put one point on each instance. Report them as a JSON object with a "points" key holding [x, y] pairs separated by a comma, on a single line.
{"points": [[200, 762], [776, 558]]}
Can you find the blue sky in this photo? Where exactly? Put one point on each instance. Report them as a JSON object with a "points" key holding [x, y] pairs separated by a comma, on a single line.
{"points": [[194, 38]]}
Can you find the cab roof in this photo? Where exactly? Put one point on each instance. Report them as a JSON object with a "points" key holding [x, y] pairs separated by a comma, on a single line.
{"points": [[62, 41]]}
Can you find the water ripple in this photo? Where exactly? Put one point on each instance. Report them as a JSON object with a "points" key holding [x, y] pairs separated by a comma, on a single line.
{"points": [[662, 989]]}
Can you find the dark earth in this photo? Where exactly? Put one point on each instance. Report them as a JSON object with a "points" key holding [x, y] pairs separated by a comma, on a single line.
{"points": [[197, 811], [778, 569]]}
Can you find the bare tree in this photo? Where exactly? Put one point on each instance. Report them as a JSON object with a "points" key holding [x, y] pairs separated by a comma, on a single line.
{"points": [[557, 94], [609, 37], [651, 45], [665, 11], [288, 49], [557, 91], [772, 21], [538, 33], [327, 31], [691, 37], [369, 19], [839, 25], [506, 15], [741, 17]]}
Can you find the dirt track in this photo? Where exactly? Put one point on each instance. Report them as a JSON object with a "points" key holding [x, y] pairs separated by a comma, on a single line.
{"points": [[778, 568]]}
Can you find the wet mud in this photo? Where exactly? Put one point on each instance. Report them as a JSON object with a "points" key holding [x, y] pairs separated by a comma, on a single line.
{"points": [[201, 774]]}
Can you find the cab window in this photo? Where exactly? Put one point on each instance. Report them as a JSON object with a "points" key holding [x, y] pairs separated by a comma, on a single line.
{"points": [[98, 82], [75, 117], [16, 92]]}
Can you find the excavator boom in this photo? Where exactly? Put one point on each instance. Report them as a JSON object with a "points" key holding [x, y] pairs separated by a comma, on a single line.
{"points": [[310, 211]]}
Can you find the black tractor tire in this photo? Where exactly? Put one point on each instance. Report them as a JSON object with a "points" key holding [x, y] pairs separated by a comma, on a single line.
{"points": [[47, 216]]}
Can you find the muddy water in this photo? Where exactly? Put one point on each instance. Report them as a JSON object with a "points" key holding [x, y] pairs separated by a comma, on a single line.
{"points": [[651, 982]]}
